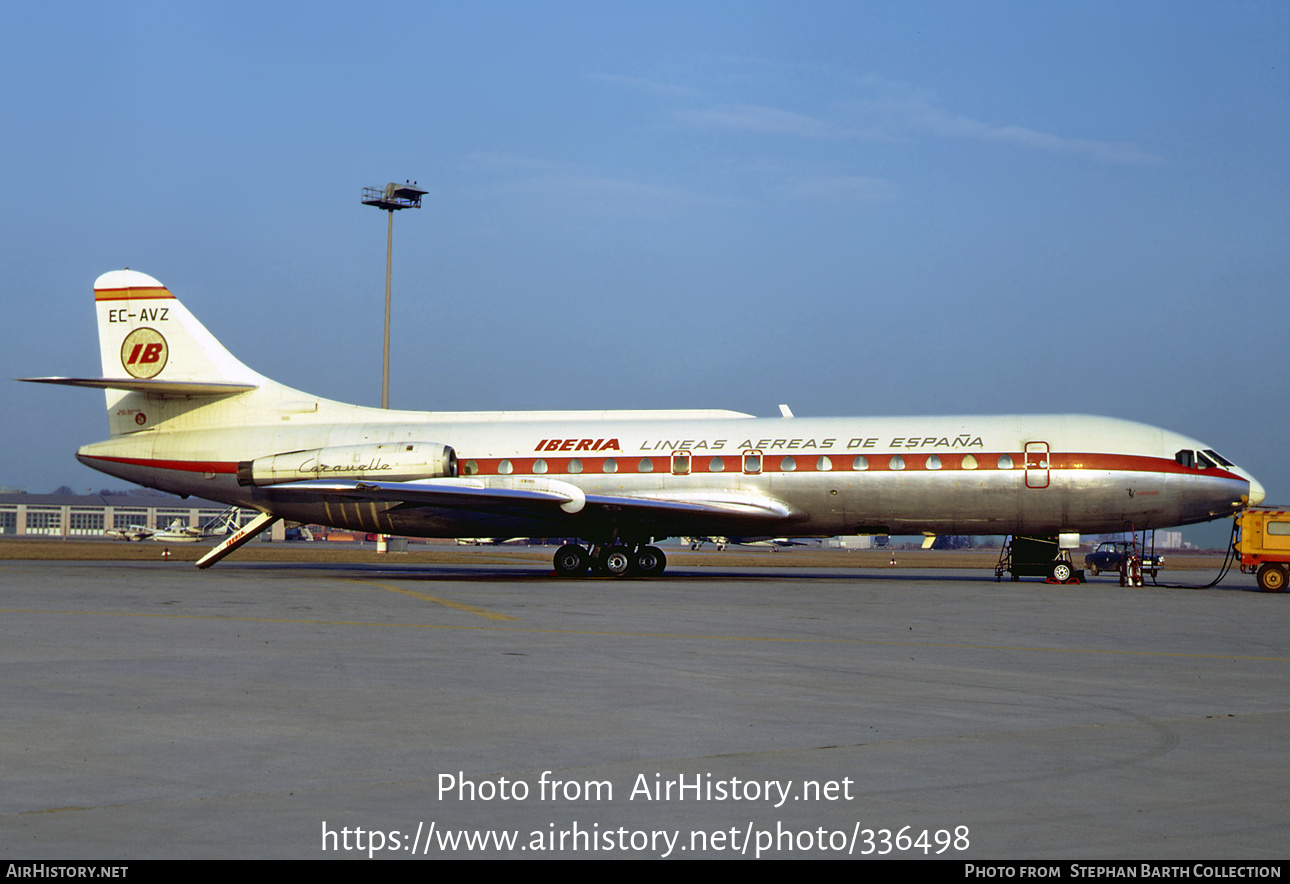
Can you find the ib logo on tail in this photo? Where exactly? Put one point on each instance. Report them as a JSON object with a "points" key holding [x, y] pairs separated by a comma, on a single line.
{"points": [[144, 353]]}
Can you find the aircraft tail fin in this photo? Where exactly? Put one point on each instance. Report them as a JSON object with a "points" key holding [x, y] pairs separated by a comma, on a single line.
{"points": [[158, 360], [145, 333]]}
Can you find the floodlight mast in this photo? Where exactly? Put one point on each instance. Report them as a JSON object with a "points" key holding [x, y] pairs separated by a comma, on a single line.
{"points": [[390, 198]]}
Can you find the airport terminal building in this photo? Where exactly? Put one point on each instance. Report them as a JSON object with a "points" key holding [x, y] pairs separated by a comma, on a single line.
{"points": [[90, 515]]}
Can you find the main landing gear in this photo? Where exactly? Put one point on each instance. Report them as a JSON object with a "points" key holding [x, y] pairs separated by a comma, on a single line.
{"points": [[613, 560]]}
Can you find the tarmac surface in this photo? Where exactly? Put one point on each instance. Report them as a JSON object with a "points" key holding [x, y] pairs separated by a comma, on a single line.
{"points": [[293, 710]]}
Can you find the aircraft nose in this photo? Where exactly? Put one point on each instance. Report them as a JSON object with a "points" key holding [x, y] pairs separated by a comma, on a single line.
{"points": [[1256, 492]]}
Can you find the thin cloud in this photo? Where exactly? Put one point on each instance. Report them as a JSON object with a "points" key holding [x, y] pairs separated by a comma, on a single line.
{"points": [[766, 120], [899, 110]]}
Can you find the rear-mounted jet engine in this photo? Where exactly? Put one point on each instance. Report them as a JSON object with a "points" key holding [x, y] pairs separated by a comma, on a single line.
{"points": [[388, 462]]}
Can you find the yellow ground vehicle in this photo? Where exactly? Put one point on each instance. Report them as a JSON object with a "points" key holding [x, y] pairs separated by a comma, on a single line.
{"points": [[1264, 545]]}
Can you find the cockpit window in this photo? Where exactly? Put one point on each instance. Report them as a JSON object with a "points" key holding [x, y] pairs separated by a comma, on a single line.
{"points": [[1204, 462], [1185, 458], [1218, 457]]}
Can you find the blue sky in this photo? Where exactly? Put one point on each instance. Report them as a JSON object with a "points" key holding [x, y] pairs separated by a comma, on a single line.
{"points": [[855, 208]]}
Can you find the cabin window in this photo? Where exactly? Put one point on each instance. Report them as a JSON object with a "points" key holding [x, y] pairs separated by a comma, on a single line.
{"points": [[539, 466], [752, 463], [505, 468], [860, 463], [787, 464], [823, 465], [1005, 461], [681, 463], [896, 463], [933, 462], [611, 465], [645, 466], [470, 468], [575, 466], [716, 465], [969, 461]]}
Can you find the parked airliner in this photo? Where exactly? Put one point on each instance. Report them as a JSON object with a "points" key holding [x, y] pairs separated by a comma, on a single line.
{"points": [[187, 417]]}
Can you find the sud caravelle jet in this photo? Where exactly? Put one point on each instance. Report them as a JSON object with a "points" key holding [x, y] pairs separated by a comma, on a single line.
{"points": [[186, 417]]}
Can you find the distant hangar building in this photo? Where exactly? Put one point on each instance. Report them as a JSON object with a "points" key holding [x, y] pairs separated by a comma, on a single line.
{"points": [[90, 515]]}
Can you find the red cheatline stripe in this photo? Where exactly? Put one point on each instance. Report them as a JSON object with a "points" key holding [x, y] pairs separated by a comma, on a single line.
{"points": [[131, 294], [187, 466], [559, 466]]}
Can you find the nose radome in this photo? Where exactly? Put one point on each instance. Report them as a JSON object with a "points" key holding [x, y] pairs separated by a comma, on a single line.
{"points": [[1256, 492]]}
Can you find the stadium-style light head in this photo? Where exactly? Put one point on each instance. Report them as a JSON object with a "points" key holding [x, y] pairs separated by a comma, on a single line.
{"points": [[393, 197]]}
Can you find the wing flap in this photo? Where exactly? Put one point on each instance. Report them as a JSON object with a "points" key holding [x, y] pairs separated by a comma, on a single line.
{"points": [[546, 498], [538, 498]]}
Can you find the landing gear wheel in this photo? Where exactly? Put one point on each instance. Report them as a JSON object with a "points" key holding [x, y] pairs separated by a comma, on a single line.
{"points": [[1272, 578], [616, 561], [571, 561], [1061, 571], [1092, 569], [650, 561]]}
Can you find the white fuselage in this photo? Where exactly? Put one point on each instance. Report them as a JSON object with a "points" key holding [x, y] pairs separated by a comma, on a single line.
{"points": [[961, 475]]}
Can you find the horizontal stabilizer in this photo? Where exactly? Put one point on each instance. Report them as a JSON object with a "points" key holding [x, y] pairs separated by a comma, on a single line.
{"points": [[150, 387]]}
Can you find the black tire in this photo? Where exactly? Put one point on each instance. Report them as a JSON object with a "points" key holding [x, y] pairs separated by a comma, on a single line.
{"points": [[1061, 571], [1092, 569], [1272, 577], [571, 561], [650, 561], [616, 561]]}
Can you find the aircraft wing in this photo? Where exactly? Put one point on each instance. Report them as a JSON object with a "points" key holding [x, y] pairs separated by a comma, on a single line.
{"points": [[535, 497]]}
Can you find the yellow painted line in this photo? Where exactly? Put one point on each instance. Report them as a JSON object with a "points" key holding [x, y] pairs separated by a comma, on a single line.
{"points": [[456, 606], [664, 635]]}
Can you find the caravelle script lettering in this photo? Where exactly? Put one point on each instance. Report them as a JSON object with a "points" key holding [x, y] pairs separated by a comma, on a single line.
{"points": [[313, 465]]}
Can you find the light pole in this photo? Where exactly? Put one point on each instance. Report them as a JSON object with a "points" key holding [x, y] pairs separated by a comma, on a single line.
{"points": [[391, 198]]}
